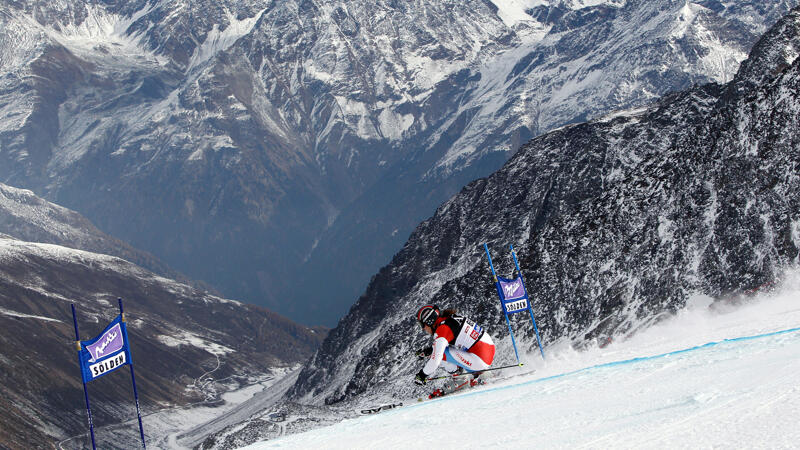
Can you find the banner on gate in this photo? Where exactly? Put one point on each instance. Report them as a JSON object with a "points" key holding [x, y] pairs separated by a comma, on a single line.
{"points": [[513, 295], [105, 353]]}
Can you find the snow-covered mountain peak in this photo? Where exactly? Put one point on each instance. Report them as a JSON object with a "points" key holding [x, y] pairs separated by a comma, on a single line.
{"points": [[26, 207], [516, 13], [99, 41], [101, 27], [627, 59], [329, 105], [218, 40]]}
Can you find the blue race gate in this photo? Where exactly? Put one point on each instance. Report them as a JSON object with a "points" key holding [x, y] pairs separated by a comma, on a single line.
{"points": [[514, 298], [102, 355]]}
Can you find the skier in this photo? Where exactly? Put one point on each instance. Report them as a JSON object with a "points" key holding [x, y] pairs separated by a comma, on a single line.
{"points": [[459, 344]]}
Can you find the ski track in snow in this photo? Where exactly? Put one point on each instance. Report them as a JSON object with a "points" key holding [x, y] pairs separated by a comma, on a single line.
{"points": [[714, 376]]}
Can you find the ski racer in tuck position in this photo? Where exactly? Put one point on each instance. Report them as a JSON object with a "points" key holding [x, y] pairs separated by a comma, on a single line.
{"points": [[458, 344]]}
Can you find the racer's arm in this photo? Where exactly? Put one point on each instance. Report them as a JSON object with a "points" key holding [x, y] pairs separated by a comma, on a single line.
{"points": [[439, 345]]}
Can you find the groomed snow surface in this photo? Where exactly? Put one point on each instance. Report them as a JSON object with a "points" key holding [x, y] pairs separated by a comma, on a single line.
{"points": [[717, 375]]}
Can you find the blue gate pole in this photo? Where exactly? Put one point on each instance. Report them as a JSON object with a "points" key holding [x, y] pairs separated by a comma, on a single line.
{"points": [[133, 377], [530, 306], [500, 295], [80, 365]]}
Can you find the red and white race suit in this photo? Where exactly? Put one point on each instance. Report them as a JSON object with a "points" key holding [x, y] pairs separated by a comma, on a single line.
{"points": [[458, 341]]}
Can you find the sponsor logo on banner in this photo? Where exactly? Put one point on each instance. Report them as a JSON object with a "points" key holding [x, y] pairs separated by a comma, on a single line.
{"points": [[107, 365], [517, 306], [513, 290], [111, 341]]}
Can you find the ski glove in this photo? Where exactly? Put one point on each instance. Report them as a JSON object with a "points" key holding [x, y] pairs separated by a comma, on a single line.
{"points": [[424, 352], [421, 378]]}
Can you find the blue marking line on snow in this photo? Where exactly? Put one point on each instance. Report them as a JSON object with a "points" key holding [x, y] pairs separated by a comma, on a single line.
{"points": [[619, 363], [668, 354]]}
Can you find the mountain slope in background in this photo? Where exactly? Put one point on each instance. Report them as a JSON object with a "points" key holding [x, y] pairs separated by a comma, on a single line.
{"points": [[27, 217], [244, 143], [189, 346]]}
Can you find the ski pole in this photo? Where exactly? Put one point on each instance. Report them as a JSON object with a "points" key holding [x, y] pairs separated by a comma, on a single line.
{"points": [[80, 364], [469, 373], [133, 377]]}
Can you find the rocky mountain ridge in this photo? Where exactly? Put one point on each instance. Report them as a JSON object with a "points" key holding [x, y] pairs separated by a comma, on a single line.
{"points": [[27, 217], [299, 137]]}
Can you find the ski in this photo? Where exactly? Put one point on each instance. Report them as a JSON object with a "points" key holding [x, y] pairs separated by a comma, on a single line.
{"points": [[447, 390], [437, 393], [485, 370], [441, 392]]}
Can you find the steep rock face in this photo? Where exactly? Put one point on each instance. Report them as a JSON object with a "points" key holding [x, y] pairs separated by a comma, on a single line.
{"points": [[178, 336], [245, 143], [616, 221]]}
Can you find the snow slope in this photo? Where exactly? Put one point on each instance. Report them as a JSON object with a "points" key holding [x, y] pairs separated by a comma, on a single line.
{"points": [[715, 375]]}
